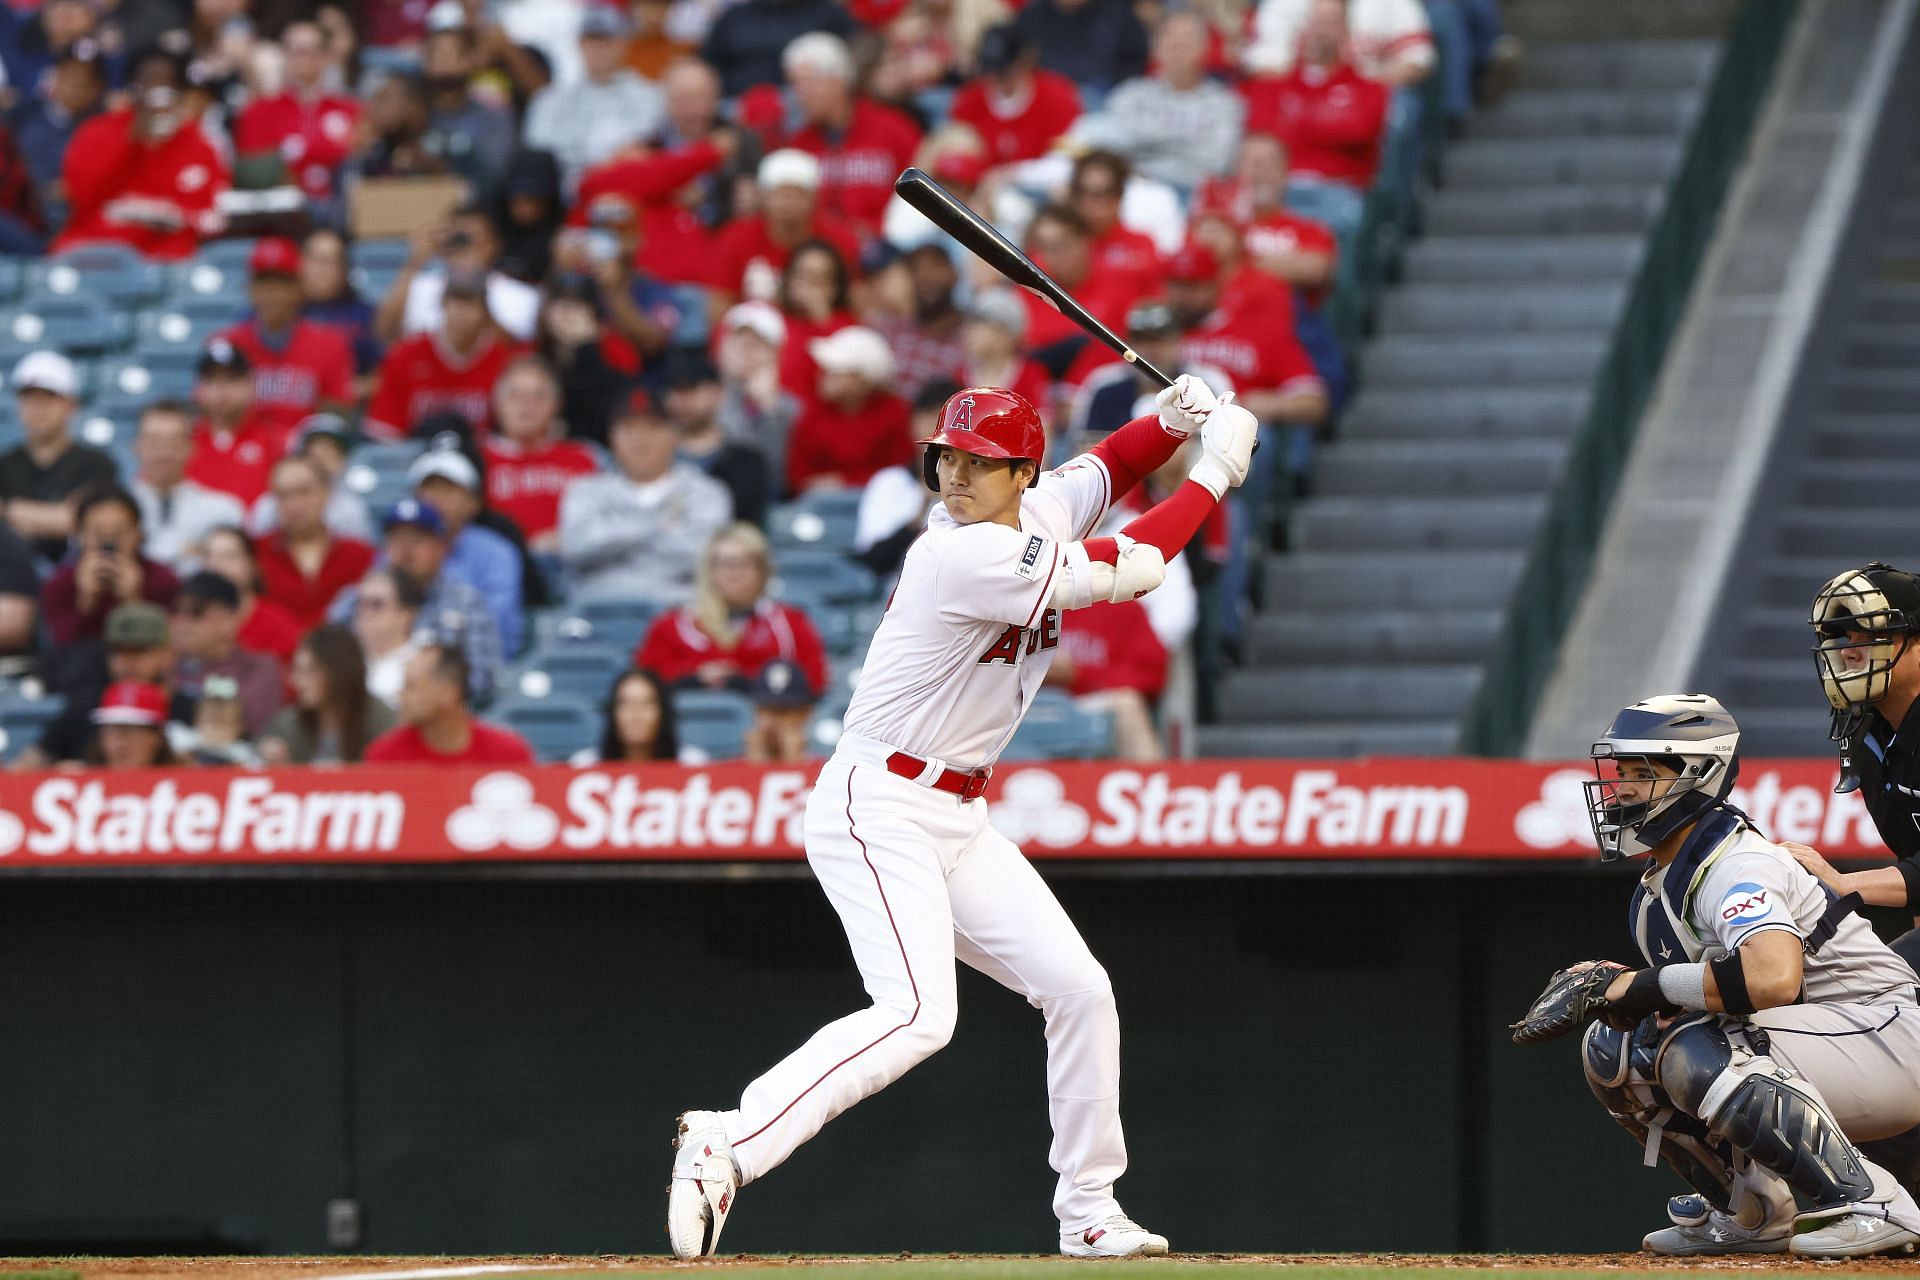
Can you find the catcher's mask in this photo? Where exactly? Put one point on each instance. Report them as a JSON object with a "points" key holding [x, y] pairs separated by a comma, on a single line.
{"points": [[1661, 764], [1863, 622]]}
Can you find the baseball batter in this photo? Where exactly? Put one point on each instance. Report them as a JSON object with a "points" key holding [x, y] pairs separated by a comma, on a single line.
{"points": [[1771, 1037], [897, 831]]}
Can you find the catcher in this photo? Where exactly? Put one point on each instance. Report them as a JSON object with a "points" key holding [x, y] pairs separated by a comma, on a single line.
{"points": [[1772, 1036]]}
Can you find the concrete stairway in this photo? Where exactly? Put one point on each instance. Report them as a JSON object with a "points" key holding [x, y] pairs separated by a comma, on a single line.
{"points": [[1840, 490], [1377, 620]]}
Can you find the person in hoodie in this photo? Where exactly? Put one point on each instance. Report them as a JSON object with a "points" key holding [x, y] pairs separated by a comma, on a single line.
{"points": [[527, 213]]}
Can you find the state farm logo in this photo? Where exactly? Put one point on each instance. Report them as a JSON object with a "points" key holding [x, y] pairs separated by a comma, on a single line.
{"points": [[12, 833], [1032, 808], [502, 812], [1559, 817]]}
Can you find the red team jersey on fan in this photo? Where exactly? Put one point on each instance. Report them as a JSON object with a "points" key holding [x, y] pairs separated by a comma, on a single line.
{"points": [[1126, 255], [1023, 129], [315, 364], [239, 461], [827, 440], [105, 164], [313, 138], [859, 163], [489, 744], [675, 647], [743, 249], [308, 598], [525, 485], [1331, 121], [421, 376], [1254, 347]]}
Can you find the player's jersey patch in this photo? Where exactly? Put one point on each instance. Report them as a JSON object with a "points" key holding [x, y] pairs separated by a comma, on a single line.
{"points": [[1029, 566], [1746, 903]]}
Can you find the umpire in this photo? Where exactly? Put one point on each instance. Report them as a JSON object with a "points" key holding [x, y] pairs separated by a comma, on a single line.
{"points": [[1866, 622]]}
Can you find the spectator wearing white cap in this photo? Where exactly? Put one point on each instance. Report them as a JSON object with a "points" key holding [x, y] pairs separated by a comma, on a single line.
{"points": [[996, 326], [178, 513], [606, 110], [38, 475], [750, 252], [755, 408], [447, 481], [862, 144], [854, 425], [638, 532]]}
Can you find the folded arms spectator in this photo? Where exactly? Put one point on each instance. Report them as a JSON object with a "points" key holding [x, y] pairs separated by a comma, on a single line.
{"points": [[40, 475], [144, 175]]}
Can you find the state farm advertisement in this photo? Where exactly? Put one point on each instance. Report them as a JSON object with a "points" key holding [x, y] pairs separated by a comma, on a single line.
{"points": [[1378, 809]]}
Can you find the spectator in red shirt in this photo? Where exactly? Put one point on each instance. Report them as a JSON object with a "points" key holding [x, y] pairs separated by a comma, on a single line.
{"points": [[265, 625], [300, 367], [731, 629], [529, 463], [451, 370], [854, 426], [144, 175], [816, 299], [1330, 116], [1060, 241], [1018, 109], [862, 145], [750, 252], [311, 130], [1243, 286], [1111, 660], [234, 447], [1119, 252], [1278, 241], [1256, 347], [107, 568], [303, 565], [437, 726], [996, 324]]}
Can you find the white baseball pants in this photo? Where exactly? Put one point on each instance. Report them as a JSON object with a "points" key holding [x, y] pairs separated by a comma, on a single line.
{"points": [[919, 879]]}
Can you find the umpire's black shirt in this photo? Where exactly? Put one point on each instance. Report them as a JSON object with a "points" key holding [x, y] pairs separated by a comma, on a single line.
{"points": [[1888, 763]]}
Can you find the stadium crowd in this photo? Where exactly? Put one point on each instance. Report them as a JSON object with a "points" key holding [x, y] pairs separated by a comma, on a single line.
{"points": [[396, 380]]}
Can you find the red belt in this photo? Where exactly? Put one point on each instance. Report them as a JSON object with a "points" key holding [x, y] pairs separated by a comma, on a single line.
{"points": [[968, 786]]}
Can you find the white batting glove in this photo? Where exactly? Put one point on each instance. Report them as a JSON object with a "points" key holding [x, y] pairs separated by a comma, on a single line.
{"points": [[1184, 406], [1137, 569], [1226, 443]]}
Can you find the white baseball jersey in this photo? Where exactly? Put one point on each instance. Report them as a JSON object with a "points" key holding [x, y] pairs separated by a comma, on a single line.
{"points": [[968, 636], [1729, 883]]}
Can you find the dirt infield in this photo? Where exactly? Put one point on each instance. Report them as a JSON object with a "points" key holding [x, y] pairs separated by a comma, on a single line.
{"points": [[954, 1266]]}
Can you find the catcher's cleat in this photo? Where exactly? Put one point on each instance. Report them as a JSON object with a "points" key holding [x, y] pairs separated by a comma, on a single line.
{"points": [[704, 1183], [1690, 1210], [1867, 1228], [1116, 1237], [1718, 1234]]}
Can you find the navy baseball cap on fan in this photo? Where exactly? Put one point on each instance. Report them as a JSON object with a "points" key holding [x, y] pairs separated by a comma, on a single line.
{"points": [[690, 369], [208, 587], [414, 514], [782, 686], [221, 356], [1000, 48]]}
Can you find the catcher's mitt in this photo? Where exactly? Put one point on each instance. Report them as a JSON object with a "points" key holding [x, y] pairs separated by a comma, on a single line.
{"points": [[1573, 998]]}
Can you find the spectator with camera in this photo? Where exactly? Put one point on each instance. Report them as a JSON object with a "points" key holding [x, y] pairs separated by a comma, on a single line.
{"points": [[206, 636], [39, 476], [638, 532], [466, 245], [332, 718], [106, 569], [144, 175], [437, 724], [751, 251], [139, 648]]}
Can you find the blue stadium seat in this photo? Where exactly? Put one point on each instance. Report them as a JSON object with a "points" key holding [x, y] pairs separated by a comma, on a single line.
{"points": [[379, 455], [185, 324], [10, 432], [821, 575], [228, 255], [555, 728], [823, 726], [12, 272], [72, 324], [584, 670], [202, 279], [1056, 728], [110, 272], [22, 719], [378, 473], [714, 720], [102, 430], [824, 521], [139, 379], [846, 629], [693, 329]]}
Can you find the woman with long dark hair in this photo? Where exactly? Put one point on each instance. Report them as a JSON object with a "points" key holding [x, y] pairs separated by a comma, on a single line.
{"points": [[332, 717], [640, 724]]}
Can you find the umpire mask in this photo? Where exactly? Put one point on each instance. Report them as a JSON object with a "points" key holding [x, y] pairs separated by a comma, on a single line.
{"points": [[1863, 621]]}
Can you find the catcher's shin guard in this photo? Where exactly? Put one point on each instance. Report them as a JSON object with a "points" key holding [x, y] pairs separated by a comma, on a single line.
{"points": [[1618, 1066], [1779, 1120]]}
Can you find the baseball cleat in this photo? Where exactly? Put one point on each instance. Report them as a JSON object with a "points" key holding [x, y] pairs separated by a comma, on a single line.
{"points": [[704, 1183], [1886, 1226], [1717, 1234], [1117, 1237], [1689, 1210]]}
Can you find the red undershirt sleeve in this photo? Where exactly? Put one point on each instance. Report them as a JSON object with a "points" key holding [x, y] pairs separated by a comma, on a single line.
{"points": [[1170, 525], [1134, 452]]}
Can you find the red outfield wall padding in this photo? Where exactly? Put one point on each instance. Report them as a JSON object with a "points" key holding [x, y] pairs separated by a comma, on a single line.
{"points": [[1423, 809]]}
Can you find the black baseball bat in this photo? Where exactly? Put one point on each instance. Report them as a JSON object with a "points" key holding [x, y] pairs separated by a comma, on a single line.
{"points": [[946, 212]]}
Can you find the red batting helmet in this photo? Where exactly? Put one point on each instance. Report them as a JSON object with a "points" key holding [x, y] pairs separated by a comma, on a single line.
{"points": [[988, 422]]}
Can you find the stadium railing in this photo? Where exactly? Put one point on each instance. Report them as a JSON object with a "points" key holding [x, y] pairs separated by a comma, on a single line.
{"points": [[1561, 559]]}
